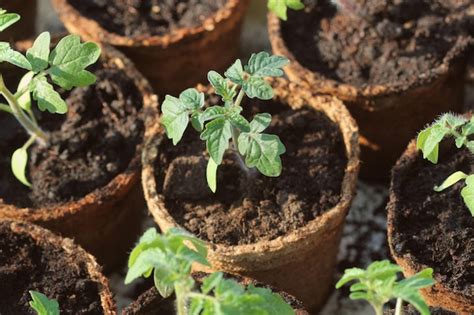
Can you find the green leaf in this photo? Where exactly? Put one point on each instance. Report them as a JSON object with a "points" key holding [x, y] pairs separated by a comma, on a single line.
{"points": [[69, 60], [19, 162], [236, 73], [48, 99], [38, 55], [212, 281], [468, 194], [217, 135], [271, 302], [221, 86], [280, 7], [429, 139], [238, 121], [196, 306], [213, 112], [11, 56], [258, 87], [192, 99], [265, 65], [165, 288], [211, 174], [42, 305], [260, 122], [451, 180], [23, 91], [7, 19], [350, 275]]}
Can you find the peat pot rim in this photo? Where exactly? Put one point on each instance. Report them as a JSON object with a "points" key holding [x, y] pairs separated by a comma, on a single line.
{"points": [[121, 184], [439, 294], [349, 92], [91, 29], [43, 236], [288, 245]]}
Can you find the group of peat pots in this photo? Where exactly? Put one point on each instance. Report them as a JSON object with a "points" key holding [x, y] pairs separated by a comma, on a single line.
{"points": [[393, 67]]}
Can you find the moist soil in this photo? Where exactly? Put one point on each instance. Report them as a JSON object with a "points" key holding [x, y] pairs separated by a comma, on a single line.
{"points": [[151, 303], [88, 147], [25, 265], [436, 229], [250, 207], [410, 310], [141, 19], [380, 42]]}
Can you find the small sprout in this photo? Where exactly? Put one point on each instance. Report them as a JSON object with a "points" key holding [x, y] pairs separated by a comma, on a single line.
{"points": [[221, 124], [64, 66], [42, 305], [169, 258], [461, 129], [280, 7], [378, 285]]}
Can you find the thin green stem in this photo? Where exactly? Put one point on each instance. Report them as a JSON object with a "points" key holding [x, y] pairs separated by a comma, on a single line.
{"points": [[398, 307], [377, 308], [6, 108], [181, 296], [32, 128], [28, 143]]}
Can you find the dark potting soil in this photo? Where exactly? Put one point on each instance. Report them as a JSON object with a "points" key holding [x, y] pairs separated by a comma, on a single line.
{"points": [[435, 228], [88, 147], [385, 42], [245, 209], [410, 310], [25, 265], [141, 19]]}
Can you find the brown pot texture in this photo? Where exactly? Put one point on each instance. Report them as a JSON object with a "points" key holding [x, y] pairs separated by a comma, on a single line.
{"points": [[106, 221], [74, 254], [175, 61], [26, 27], [439, 295], [388, 116], [301, 262], [151, 302]]}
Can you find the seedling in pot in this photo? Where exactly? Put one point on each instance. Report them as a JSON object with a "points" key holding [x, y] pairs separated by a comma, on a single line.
{"points": [[222, 124], [280, 7], [42, 305], [378, 285], [64, 67], [461, 129], [169, 257]]}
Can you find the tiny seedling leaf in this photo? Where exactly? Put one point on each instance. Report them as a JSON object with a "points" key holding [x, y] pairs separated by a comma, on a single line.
{"points": [[222, 86], [69, 60], [42, 305], [7, 54], [467, 194], [7, 19], [38, 54], [23, 95], [211, 174], [451, 180], [48, 99], [256, 87], [265, 65], [280, 7], [236, 73], [217, 135], [19, 162]]}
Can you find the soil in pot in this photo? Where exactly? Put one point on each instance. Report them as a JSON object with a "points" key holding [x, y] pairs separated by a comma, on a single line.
{"points": [[138, 18], [410, 310], [385, 43], [435, 229], [151, 302], [89, 146], [29, 264], [250, 208]]}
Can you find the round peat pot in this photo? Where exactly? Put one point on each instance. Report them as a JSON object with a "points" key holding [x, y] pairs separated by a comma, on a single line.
{"points": [[33, 258], [391, 98], [86, 180], [282, 231], [151, 302], [172, 59], [431, 229], [26, 27]]}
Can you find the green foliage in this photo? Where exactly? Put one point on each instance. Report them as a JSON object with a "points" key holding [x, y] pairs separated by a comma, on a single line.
{"points": [[221, 124], [169, 258], [42, 305], [378, 285], [460, 129], [280, 7], [64, 66]]}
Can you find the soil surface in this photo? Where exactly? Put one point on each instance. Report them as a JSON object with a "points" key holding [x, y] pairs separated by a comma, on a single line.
{"points": [[140, 19], [247, 209], [88, 147], [379, 42], [410, 310], [436, 229], [25, 265]]}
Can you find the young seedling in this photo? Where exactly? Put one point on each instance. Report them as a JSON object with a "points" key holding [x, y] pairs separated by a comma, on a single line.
{"points": [[378, 285], [64, 66], [42, 305], [169, 258], [280, 7], [251, 146], [461, 129]]}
